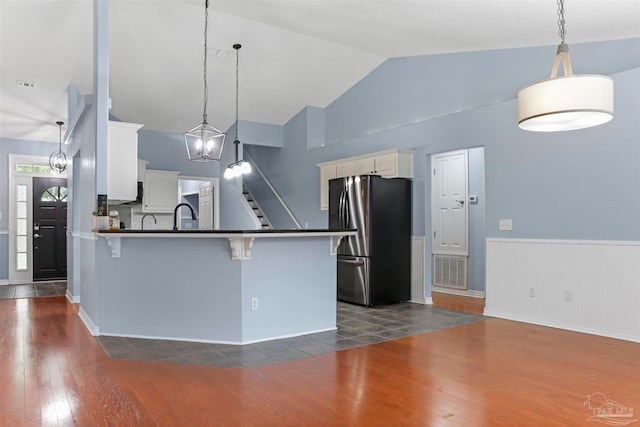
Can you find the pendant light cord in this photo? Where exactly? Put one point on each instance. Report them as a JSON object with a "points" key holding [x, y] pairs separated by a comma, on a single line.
{"points": [[206, 88], [561, 30], [237, 48], [60, 138]]}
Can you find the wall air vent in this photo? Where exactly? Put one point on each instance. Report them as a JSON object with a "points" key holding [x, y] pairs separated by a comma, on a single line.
{"points": [[20, 83], [450, 271]]}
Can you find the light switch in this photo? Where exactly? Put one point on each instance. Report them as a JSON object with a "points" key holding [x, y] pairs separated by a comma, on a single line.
{"points": [[505, 224]]}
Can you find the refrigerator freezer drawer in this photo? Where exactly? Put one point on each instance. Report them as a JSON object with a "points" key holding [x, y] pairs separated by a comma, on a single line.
{"points": [[353, 280]]}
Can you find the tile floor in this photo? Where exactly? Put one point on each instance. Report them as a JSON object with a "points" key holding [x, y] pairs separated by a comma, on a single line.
{"points": [[38, 289], [357, 326]]}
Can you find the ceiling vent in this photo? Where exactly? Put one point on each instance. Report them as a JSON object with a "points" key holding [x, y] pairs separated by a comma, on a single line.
{"points": [[20, 83]]}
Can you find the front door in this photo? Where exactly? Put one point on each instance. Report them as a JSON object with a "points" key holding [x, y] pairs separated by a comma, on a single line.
{"points": [[49, 228]]}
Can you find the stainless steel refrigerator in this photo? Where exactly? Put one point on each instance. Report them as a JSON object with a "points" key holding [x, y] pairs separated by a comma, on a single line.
{"points": [[374, 266]]}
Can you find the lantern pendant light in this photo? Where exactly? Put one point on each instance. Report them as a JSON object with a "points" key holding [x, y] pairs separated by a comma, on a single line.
{"points": [[204, 142], [568, 102], [57, 159], [239, 167]]}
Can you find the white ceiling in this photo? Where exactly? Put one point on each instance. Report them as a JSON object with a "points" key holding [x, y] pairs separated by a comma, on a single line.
{"points": [[295, 52]]}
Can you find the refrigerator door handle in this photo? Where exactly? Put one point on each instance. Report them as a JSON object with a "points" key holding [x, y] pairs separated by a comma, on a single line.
{"points": [[340, 222], [348, 261], [347, 218]]}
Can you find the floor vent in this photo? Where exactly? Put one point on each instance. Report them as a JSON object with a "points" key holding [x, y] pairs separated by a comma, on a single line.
{"points": [[450, 271]]}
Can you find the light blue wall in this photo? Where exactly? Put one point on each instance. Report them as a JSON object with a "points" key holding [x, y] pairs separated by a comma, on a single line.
{"points": [[167, 293], [562, 185], [404, 91], [255, 133], [476, 262], [166, 151], [273, 276], [292, 171]]}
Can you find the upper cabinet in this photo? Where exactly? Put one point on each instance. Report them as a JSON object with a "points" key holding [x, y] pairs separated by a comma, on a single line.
{"points": [[122, 162], [395, 163], [160, 191]]}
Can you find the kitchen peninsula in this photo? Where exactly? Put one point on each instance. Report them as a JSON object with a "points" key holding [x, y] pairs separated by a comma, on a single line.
{"points": [[224, 286]]}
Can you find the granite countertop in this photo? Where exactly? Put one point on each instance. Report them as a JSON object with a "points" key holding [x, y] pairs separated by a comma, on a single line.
{"points": [[269, 231]]}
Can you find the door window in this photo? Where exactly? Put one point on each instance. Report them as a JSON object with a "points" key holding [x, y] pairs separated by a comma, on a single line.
{"points": [[21, 234], [56, 193]]}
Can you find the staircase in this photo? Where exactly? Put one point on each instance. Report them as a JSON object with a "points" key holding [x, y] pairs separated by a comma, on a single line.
{"points": [[264, 221]]}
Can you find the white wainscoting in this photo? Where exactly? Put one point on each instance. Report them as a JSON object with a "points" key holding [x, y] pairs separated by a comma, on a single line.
{"points": [[584, 286], [417, 271]]}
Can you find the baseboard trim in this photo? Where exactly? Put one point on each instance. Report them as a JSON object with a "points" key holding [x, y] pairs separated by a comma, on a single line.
{"points": [[4, 282], [459, 292], [154, 337], [423, 301], [74, 299], [560, 325], [88, 323]]}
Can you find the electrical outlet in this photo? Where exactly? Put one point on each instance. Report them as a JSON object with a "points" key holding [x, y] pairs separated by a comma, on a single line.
{"points": [[505, 224], [532, 292], [254, 304], [568, 296]]}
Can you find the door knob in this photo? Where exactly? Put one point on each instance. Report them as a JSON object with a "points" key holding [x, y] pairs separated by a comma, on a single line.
{"points": [[460, 201], [37, 236]]}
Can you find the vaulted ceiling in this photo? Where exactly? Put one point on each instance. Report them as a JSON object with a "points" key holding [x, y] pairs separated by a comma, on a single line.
{"points": [[295, 53]]}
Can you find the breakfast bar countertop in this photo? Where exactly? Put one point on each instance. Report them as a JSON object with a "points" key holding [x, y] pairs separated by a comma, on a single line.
{"points": [[194, 231]]}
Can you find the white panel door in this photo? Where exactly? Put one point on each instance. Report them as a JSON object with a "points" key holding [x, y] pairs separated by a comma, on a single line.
{"points": [[206, 206], [449, 210]]}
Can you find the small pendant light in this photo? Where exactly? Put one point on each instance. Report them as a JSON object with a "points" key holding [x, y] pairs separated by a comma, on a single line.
{"points": [[204, 142], [57, 159], [565, 103], [239, 167]]}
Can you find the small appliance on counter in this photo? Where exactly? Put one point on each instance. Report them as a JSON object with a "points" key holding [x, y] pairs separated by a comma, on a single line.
{"points": [[374, 266]]}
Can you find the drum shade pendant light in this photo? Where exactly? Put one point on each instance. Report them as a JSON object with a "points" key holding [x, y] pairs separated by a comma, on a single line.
{"points": [[568, 102], [57, 159], [239, 167], [204, 142]]}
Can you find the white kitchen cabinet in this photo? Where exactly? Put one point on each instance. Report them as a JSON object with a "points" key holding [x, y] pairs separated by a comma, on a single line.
{"points": [[160, 191], [326, 173], [386, 165], [122, 162], [344, 169], [395, 163]]}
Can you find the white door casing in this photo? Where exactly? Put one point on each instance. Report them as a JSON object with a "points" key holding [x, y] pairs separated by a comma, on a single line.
{"points": [[16, 276], [449, 203]]}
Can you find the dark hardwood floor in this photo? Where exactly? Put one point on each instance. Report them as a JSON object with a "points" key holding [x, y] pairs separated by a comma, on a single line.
{"points": [[487, 373]]}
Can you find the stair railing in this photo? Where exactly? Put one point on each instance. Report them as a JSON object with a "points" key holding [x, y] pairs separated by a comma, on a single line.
{"points": [[255, 167]]}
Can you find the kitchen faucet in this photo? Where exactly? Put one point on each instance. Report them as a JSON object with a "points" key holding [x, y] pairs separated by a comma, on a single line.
{"points": [[175, 213], [155, 221]]}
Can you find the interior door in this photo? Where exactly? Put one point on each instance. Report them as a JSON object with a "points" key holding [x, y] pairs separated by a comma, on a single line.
{"points": [[49, 228], [449, 207], [206, 206]]}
